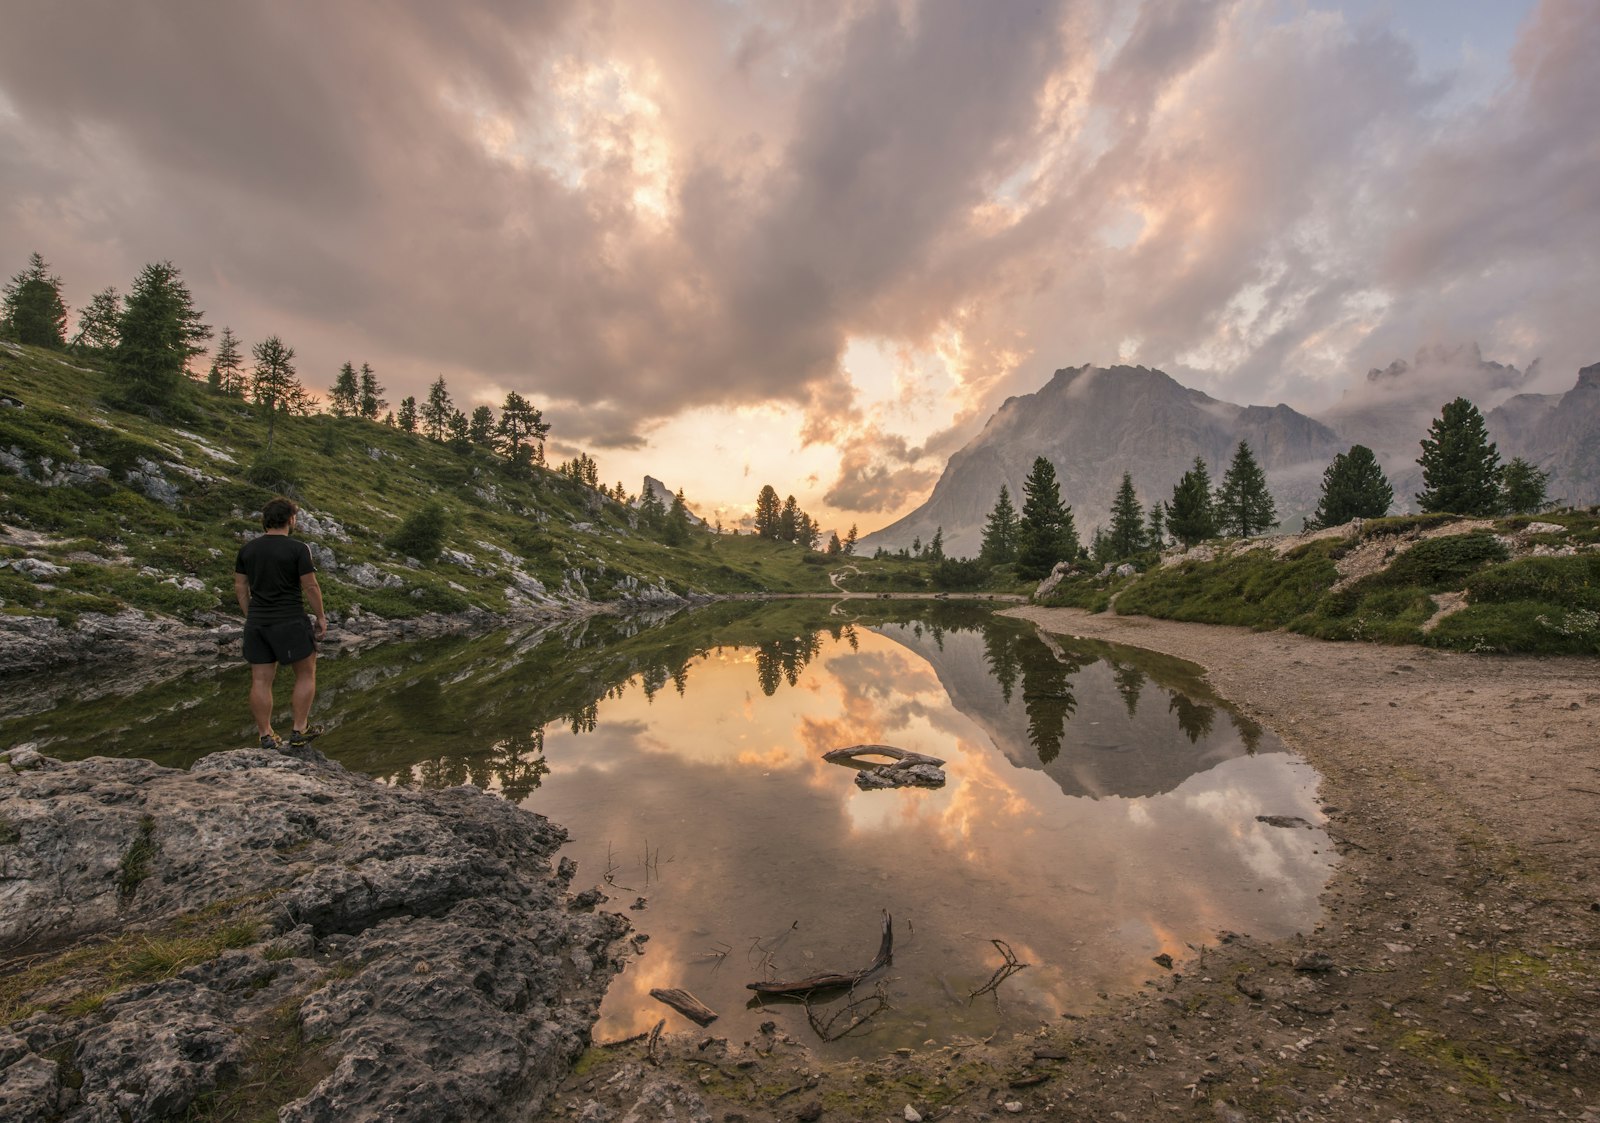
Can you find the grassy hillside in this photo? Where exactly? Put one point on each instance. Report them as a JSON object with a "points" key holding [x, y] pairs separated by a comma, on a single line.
{"points": [[125, 509], [1509, 585]]}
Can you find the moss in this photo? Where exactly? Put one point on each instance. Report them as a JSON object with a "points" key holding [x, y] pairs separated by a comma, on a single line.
{"points": [[135, 865], [1454, 1057]]}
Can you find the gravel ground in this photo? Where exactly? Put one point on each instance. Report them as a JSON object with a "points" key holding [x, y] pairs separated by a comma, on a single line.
{"points": [[1453, 978]]}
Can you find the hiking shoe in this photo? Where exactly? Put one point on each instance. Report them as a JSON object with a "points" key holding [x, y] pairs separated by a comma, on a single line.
{"points": [[270, 743], [303, 737]]}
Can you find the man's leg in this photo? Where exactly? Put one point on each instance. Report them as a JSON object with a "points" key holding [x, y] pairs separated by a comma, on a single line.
{"points": [[261, 675], [305, 689]]}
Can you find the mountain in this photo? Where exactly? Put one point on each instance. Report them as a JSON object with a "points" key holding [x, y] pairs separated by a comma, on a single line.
{"points": [[1094, 423], [1559, 433]]}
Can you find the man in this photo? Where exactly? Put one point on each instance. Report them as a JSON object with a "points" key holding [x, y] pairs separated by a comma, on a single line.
{"points": [[269, 577]]}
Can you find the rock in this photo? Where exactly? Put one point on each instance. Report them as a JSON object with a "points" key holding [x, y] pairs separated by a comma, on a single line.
{"points": [[810, 1113], [37, 569], [900, 776], [1164, 960], [1290, 821], [911, 1115], [1048, 585], [365, 883], [1315, 962], [147, 477], [1013, 1106]]}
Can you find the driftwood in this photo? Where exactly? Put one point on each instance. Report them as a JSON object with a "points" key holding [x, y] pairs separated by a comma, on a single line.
{"points": [[799, 988], [905, 768], [686, 1004]]}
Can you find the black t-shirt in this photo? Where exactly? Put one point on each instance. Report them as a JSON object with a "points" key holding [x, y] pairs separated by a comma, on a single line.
{"points": [[273, 565]]}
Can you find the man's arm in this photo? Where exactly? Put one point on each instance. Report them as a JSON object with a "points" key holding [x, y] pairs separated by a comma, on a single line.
{"points": [[313, 593], [241, 591]]}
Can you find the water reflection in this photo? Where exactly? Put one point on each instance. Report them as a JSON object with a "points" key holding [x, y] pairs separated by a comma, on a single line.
{"points": [[1099, 808]]}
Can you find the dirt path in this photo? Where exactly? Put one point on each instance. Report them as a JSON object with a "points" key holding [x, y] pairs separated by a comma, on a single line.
{"points": [[1456, 975]]}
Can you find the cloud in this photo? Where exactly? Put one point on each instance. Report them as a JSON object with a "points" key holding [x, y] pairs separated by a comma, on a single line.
{"points": [[632, 216]]}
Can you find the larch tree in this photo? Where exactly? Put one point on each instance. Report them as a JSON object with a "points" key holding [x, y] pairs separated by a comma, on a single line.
{"points": [[1353, 487], [31, 308], [1524, 489], [1046, 534], [97, 323], [370, 404], [1460, 464], [227, 366], [1000, 531], [437, 410], [1243, 505], [159, 332], [1127, 534], [1190, 518]]}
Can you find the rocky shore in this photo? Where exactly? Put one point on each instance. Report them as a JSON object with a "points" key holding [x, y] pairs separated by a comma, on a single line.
{"points": [[270, 931]]}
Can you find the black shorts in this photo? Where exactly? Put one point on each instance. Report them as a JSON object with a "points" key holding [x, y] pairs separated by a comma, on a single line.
{"points": [[288, 641]]}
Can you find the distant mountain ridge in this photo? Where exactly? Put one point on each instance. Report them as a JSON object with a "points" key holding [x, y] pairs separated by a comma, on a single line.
{"points": [[1094, 423]]}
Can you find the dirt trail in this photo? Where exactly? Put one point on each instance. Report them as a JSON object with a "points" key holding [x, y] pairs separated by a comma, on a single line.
{"points": [[1456, 975]]}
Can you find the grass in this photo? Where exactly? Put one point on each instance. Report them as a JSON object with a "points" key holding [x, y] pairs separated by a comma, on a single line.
{"points": [[135, 864], [1253, 589]]}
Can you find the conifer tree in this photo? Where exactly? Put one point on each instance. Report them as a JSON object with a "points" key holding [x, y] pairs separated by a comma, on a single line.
{"points": [[406, 419], [1243, 504], [1157, 535], [97, 324], [521, 424], [1460, 464], [677, 529], [768, 513], [1524, 488], [227, 366], [1353, 487], [159, 332], [835, 547], [652, 512], [437, 410], [458, 429], [344, 396], [371, 403], [789, 521], [850, 539], [31, 308], [1189, 516], [935, 550], [480, 430], [273, 384], [1127, 535], [1046, 534], [1000, 531]]}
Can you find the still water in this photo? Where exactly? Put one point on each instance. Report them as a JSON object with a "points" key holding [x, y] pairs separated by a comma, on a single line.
{"points": [[1100, 807]]}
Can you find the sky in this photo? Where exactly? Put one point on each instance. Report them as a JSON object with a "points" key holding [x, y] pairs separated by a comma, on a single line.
{"points": [[816, 243]]}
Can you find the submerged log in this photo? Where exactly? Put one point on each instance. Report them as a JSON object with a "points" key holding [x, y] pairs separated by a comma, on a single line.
{"points": [[905, 769], [834, 981], [686, 1004]]}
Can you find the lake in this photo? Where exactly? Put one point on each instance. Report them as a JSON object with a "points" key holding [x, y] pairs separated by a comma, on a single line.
{"points": [[1099, 809]]}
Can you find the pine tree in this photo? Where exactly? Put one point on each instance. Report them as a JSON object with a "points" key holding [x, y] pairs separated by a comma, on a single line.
{"points": [[1353, 487], [1190, 518], [1000, 531], [935, 550], [159, 332], [406, 419], [789, 521], [768, 513], [1243, 504], [480, 430], [31, 308], [1045, 534], [1523, 488], [652, 512], [227, 366], [344, 396], [458, 429], [835, 547], [97, 324], [1158, 525], [273, 384], [850, 541], [1127, 535], [371, 403], [677, 530], [1460, 465], [521, 424], [437, 410]]}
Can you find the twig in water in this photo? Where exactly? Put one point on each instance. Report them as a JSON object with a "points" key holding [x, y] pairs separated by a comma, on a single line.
{"points": [[859, 1010], [655, 1036], [1010, 967]]}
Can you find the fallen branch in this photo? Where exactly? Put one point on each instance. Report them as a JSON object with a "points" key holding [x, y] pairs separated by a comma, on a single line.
{"points": [[799, 988], [686, 1004], [1010, 967], [906, 768], [874, 1004]]}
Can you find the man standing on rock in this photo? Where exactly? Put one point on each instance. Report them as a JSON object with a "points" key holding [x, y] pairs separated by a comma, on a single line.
{"points": [[269, 577]]}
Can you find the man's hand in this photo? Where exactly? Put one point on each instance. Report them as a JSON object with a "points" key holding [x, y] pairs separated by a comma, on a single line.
{"points": [[322, 626]]}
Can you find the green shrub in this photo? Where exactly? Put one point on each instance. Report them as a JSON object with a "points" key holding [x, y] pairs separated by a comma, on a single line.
{"points": [[1572, 581], [1438, 564], [1255, 589], [959, 574], [421, 536], [1383, 614], [1523, 627], [276, 471], [1405, 524]]}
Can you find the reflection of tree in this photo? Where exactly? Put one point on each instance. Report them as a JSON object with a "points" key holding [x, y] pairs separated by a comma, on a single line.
{"points": [[518, 763], [583, 719], [1047, 695], [1193, 718], [653, 678], [782, 660], [1000, 649], [850, 637], [680, 678], [1130, 680], [1249, 731]]}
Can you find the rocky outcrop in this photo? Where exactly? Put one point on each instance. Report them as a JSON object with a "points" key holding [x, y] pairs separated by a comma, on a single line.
{"points": [[387, 953]]}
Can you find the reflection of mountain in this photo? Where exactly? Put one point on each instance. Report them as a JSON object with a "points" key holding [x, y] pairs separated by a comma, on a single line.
{"points": [[1097, 727]]}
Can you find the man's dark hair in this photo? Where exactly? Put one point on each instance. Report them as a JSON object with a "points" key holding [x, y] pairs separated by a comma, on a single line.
{"points": [[277, 513]]}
